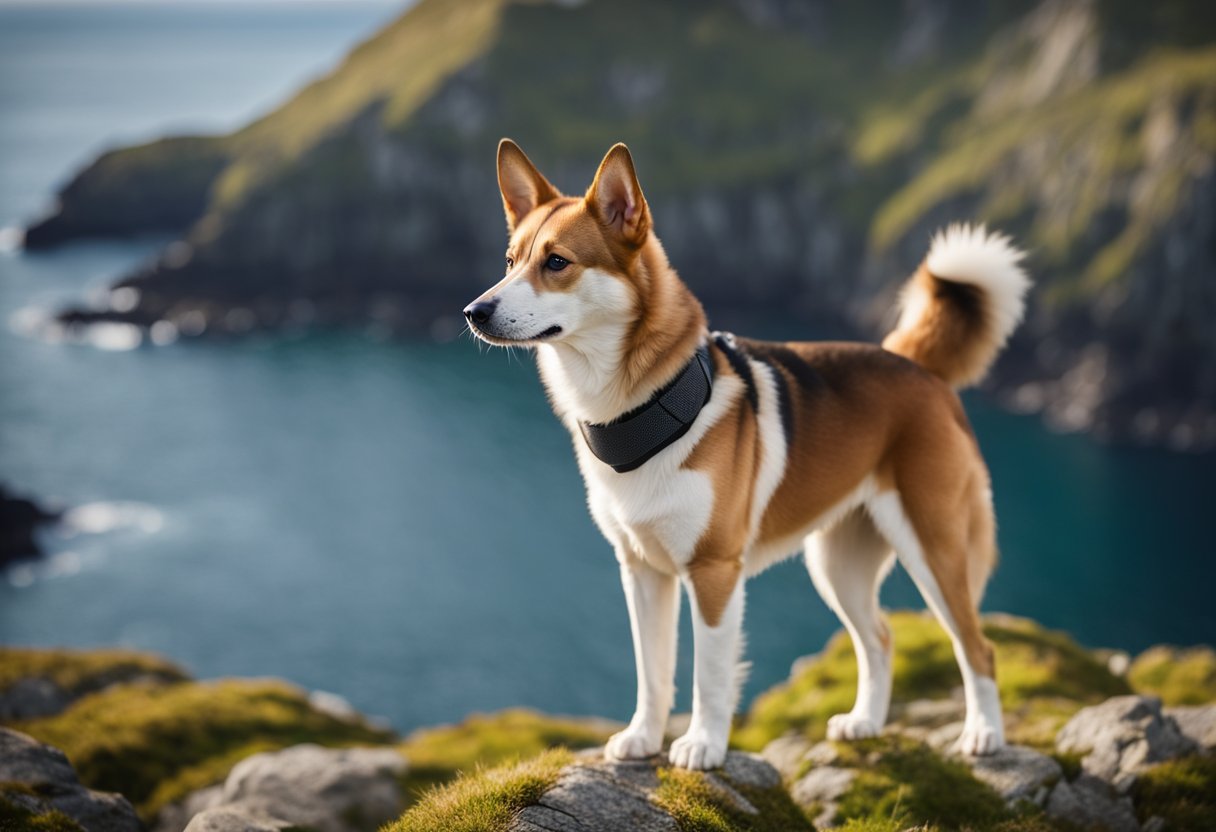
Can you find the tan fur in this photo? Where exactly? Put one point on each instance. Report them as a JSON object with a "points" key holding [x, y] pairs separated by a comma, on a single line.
{"points": [[729, 455], [954, 336]]}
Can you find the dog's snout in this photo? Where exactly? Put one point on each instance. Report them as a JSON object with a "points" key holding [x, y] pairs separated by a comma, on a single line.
{"points": [[480, 311]]}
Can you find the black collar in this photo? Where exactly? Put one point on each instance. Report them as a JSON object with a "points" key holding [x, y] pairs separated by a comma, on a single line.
{"points": [[629, 441]]}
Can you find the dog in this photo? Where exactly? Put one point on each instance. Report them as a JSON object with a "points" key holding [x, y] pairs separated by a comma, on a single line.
{"points": [[708, 458]]}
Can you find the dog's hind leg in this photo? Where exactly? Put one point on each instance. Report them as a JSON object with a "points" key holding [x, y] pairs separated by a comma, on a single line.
{"points": [[932, 544], [654, 608], [848, 563]]}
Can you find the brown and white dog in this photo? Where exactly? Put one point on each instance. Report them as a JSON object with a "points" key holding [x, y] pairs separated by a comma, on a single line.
{"points": [[853, 453]]}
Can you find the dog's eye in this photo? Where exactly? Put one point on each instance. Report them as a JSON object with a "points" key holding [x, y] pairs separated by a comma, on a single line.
{"points": [[510, 262], [556, 263]]}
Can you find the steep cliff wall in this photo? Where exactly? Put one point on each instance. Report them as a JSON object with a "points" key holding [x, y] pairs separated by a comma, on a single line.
{"points": [[824, 141]]}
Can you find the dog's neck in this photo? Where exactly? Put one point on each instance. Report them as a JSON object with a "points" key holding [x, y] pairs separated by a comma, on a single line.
{"points": [[604, 372]]}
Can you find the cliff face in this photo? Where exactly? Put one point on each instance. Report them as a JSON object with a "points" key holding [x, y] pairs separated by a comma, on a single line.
{"points": [[796, 156]]}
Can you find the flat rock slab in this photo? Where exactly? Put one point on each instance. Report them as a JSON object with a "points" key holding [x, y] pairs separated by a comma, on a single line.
{"points": [[1016, 772], [596, 795]]}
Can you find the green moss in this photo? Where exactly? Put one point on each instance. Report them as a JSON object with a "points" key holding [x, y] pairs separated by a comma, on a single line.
{"points": [[1178, 676], [1043, 676], [156, 743], [484, 800], [16, 817], [1183, 792], [80, 671], [1070, 763], [698, 805], [911, 784], [437, 755]]}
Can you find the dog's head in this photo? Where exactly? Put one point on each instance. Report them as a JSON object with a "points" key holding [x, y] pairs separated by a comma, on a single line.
{"points": [[570, 262]]}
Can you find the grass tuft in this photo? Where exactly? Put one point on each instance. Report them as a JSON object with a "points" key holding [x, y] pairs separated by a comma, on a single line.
{"points": [[484, 800], [1182, 792], [698, 805], [1179, 676], [437, 755]]}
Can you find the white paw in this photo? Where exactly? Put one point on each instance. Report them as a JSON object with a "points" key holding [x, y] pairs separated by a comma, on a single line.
{"points": [[632, 744], [979, 740], [851, 727], [698, 750]]}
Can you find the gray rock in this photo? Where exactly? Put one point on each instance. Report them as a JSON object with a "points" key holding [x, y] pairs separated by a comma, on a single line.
{"points": [[745, 769], [786, 753], [46, 769], [30, 698], [1016, 772], [823, 786], [1090, 803], [1198, 722], [597, 795], [325, 789], [1122, 736], [176, 816], [235, 819]]}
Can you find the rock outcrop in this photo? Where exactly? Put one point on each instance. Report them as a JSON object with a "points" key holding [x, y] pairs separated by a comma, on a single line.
{"points": [[1123, 736], [20, 518], [322, 789], [1082, 128], [50, 785]]}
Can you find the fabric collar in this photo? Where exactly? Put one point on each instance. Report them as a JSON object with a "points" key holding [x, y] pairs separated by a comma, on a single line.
{"points": [[629, 441]]}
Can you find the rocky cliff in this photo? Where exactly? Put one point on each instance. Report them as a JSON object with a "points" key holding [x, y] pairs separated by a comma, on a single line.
{"points": [[797, 156], [1100, 742]]}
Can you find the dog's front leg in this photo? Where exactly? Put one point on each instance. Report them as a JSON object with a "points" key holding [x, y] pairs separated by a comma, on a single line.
{"points": [[717, 621], [654, 607]]}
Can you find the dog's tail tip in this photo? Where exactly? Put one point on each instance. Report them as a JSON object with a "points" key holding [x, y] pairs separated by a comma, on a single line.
{"points": [[962, 304]]}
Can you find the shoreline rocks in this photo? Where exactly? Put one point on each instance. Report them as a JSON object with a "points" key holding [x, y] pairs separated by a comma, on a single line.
{"points": [[52, 785]]}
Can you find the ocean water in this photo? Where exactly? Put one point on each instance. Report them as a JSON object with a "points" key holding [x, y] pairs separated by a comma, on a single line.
{"points": [[403, 523]]}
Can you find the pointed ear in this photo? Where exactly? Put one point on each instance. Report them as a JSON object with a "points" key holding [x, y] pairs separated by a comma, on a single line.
{"points": [[523, 186], [615, 197]]}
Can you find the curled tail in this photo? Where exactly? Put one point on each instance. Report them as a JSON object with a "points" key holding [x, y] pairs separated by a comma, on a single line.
{"points": [[961, 305]]}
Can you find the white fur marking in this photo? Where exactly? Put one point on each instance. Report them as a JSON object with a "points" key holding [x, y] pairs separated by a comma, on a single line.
{"points": [[969, 254], [983, 730], [715, 686]]}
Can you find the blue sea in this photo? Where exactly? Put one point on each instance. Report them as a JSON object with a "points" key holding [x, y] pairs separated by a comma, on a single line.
{"points": [[402, 523]]}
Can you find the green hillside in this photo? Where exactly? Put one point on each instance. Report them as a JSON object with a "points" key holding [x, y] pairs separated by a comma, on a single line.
{"points": [[797, 157]]}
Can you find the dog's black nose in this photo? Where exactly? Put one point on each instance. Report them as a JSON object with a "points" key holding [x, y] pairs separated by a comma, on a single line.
{"points": [[480, 311]]}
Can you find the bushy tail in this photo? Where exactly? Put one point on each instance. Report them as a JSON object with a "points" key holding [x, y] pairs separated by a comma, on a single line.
{"points": [[962, 304]]}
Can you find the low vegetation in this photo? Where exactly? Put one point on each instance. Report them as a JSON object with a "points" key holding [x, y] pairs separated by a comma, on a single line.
{"points": [[17, 816], [698, 805], [77, 672], [1182, 792], [484, 800], [1178, 676], [156, 743], [1044, 678], [438, 755]]}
